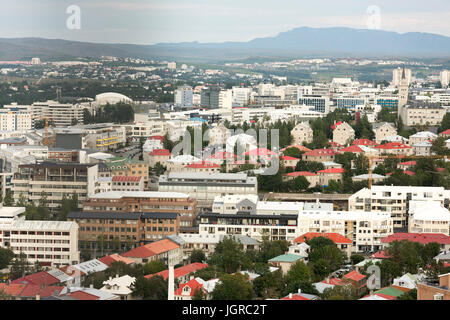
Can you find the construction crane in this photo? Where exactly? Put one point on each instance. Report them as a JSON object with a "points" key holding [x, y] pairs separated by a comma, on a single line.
{"points": [[46, 130], [372, 157]]}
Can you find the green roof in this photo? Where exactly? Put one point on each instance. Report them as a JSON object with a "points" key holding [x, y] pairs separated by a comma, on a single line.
{"points": [[391, 291], [286, 258]]}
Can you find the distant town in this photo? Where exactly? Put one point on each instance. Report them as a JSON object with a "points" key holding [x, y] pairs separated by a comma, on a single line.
{"points": [[308, 179]]}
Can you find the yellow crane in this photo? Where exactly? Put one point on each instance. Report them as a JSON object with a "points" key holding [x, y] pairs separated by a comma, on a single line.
{"points": [[372, 157]]}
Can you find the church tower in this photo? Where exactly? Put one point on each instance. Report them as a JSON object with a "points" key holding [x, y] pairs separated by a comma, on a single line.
{"points": [[403, 91]]}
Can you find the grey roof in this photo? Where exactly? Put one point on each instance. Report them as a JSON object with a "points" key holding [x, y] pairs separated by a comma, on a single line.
{"points": [[105, 215], [376, 125], [123, 215], [207, 176], [445, 255], [320, 286]]}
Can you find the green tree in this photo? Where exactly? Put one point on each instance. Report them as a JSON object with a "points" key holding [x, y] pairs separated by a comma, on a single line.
{"points": [[299, 276], [346, 292], [197, 255], [356, 258], [154, 267], [8, 201], [154, 288], [270, 285], [6, 256], [410, 295], [228, 255], [233, 287], [301, 183], [20, 267]]}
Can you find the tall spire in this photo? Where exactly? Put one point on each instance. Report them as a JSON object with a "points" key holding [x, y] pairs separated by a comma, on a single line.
{"points": [[403, 74]]}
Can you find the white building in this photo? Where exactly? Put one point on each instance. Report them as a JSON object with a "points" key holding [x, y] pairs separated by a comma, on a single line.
{"points": [[52, 243], [241, 96], [445, 78], [429, 217], [120, 286], [301, 133], [15, 120], [184, 97], [395, 200]]}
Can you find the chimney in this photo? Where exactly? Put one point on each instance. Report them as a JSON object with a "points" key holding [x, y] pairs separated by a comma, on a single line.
{"points": [[38, 297], [117, 275], [191, 277], [299, 290], [110, 278], [328, 280], [290, 295], [91, 286]]}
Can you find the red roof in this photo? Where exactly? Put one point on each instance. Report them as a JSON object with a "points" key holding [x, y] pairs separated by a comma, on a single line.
{"points": [[295, 296], [380, 255], [260, 152], [393, 146], [423, 238], [33, 290], [81, 295], [203, 165], [440, 169], [446, 132], [301, 174], [333, 281], [321, 152], [354, 275], [335, 237], [108, 260], [354, 149], [12, 289], [408, 163], [332, 170], [364, 142], [40, 278], [126, 179], [181, 271], [160, 152], [151, 249], [287, 158], [160, 138], [193, 284], [382, 295], [407, 172], [334, 126]]}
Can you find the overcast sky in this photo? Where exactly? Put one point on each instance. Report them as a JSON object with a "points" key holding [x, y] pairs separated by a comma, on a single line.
{"points": [[153, 21]]}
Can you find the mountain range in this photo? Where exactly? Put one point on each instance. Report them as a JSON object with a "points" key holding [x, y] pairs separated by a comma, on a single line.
{"points": [[303, 41]]}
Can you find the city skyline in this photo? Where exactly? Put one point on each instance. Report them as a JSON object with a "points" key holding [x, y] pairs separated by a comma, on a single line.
{"points": [[150, 22]]}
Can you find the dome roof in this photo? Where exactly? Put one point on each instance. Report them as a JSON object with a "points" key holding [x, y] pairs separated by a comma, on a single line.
{"points": [[111, 97]]}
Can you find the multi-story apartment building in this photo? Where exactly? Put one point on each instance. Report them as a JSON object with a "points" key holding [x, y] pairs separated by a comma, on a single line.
{"points": [[429, 217], [288, 220], [320, 103], [302, 133], [395, 200], [319, 155], [51, 243], [54, 180], [15, 119], [63, 155], [421, 114], [184, 97], [60, 114], [206, 186], [127, 167], [146, 201], [218, 135], [128, 228], [445, 78]]}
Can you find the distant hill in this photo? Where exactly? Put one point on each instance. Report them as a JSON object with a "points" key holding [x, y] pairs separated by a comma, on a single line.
{"points": [[302, 41]]}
